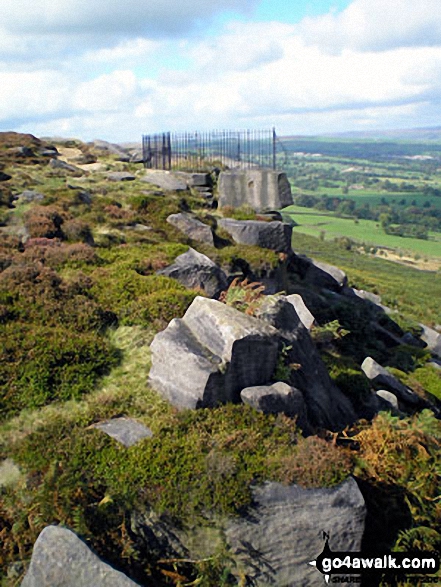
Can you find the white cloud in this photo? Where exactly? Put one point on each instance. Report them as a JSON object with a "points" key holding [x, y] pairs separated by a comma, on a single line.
{"points": [[108, 92], [371, 65], [376, 25]]}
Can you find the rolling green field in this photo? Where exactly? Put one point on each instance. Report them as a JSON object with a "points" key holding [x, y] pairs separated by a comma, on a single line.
{"points": [[363, 231]]}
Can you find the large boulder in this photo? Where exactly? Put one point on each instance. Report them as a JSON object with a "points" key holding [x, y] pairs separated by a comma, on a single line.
{"points": [[62, 165], [273, 235], [195, 270], [61, 559], [261, 189], [207, 357], [382, 378], [283, 532], [278, 398], [192, 227], [327, 406]]}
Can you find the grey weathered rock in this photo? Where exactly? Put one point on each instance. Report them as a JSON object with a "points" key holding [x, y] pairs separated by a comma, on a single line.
{"points": [[262, 189], [165, 180], [381, 377], [275, 399], [325, 275], [282, 532], [61, 559], [192, 227], [268, 235], [327, 406], [432, 338], [125, 430], [302, 311], [389, 397], [194, 269], [195, 180], [120, 176], [59, 164], [29, 196], [410, 339], [48, 152], [211, 354], [112, 149]]}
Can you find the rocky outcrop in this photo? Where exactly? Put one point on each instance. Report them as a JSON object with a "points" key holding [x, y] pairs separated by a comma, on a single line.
{"points": [[261, 189], [61, 559], [327, 406], [195, 270], [207, 357], [382, 378], [273, 235], [214, 352], [282, 533], [192, 227]]}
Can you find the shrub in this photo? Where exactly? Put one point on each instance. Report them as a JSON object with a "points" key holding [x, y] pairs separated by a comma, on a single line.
{"points": [[44, 364], [403, 455], [76, 230], [44, 221]]}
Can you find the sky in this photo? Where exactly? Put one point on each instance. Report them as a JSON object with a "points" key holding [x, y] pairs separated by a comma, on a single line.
{"points": [[117, 69]]}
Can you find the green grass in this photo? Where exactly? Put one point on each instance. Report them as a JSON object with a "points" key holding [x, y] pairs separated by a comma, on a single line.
{"points": [[363, 231], [414, 293]]}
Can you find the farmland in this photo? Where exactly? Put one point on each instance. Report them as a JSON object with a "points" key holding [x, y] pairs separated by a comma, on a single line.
{"points": [[328, 226], [381, 193]]}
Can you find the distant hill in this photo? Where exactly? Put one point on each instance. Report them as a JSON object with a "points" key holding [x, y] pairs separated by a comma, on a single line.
{"points": [[413, 134]]}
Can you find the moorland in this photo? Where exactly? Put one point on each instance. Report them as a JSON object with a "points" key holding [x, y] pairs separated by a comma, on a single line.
{"points": [[80, 303]]}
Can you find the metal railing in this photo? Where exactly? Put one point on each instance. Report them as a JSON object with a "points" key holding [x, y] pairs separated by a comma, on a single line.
{"points": [[195, 151]]}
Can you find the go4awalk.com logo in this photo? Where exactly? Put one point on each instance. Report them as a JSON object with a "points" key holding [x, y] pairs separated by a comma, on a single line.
{"points": [[350, 567]]}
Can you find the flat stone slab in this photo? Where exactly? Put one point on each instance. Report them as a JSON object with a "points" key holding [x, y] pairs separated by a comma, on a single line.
{"points": [[165, 180], [61, 559], [125, 430], [120, 176]]}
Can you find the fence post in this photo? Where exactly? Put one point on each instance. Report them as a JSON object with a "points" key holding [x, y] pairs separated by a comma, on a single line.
{"points": [[274, 147]]}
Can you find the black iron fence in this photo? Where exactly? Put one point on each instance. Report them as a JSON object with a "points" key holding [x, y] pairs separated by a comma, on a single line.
{"points": [[195, 151]]}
